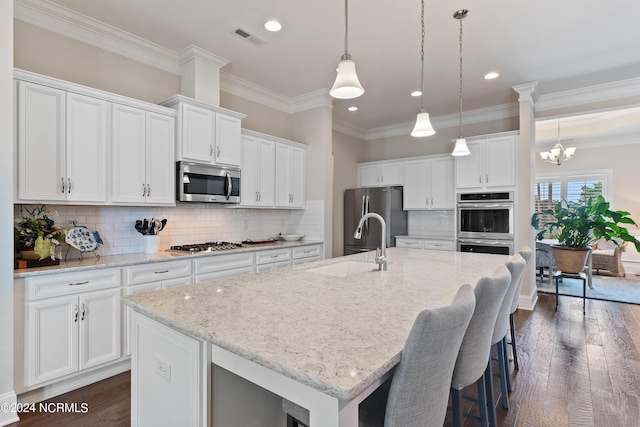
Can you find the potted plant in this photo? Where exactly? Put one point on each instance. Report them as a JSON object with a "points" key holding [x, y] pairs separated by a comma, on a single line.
{"points": [[577, 226], [36, 236]]}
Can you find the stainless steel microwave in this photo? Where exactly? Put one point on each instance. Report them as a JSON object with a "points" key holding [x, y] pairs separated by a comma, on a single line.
{"points": [[197, 182]]}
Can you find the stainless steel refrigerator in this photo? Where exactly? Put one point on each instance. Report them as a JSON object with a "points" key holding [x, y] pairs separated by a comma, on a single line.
{"points": [[386, 202]]}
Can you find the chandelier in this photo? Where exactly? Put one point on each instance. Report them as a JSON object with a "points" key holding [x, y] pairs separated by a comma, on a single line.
{"points": [[558, 153]]}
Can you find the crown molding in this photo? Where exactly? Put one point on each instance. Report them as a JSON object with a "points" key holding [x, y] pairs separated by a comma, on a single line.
{"points": [[349, 129], [311, 100], [68, 23], [527, 92], [591, 94], [195, 52]]}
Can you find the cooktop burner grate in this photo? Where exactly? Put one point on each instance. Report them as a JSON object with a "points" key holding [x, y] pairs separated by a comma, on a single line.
{"points": [[206, 247]]}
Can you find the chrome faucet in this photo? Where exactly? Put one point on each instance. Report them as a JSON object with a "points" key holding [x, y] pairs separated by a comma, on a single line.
{"points": [[381, 252]]}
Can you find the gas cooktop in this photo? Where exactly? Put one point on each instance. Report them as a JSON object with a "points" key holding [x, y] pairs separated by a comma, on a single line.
{"points": [[206, 247]]}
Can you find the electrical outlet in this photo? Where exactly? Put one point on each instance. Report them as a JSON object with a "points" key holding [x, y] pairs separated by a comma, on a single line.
{"points": [[245, 224], [163, 368]]}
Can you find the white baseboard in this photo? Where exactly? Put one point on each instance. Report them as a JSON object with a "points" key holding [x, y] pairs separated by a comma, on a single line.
{"points": [[65, 386], [8, 400], [528, 302]]}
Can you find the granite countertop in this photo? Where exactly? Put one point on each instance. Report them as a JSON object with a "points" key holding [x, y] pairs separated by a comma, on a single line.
{"points": [[336, 334], [91, 262]]}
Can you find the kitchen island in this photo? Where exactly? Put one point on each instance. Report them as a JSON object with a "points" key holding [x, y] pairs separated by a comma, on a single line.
{"points": [[323, 335]]}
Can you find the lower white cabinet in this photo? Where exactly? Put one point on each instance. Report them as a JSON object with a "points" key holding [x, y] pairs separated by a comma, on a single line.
{"points": [[77, 330], [272, 259], [305, 254], [215, 267], [425, 243]]}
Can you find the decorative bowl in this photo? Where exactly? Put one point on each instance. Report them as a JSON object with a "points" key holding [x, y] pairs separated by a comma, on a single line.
{"points": [[292, 237]]}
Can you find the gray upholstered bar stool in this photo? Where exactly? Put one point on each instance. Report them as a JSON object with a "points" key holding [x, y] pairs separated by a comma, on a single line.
{"points": [[417, 394], [516, 266], [526, 253], [471, 364]]}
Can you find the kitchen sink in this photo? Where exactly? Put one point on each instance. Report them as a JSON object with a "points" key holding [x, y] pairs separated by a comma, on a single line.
{"points": [[344, 269]]}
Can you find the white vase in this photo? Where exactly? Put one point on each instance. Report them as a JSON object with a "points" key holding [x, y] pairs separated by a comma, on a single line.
{"points": [[150, 244]]}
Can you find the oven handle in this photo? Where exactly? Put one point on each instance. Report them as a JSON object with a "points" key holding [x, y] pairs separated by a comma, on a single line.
{"points": [[486, 242], [484, 205]]}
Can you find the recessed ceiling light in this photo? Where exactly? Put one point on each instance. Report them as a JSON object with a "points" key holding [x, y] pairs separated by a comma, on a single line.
{"points": [[353, 108], [492, 75], [273, 25], [416, 93]]}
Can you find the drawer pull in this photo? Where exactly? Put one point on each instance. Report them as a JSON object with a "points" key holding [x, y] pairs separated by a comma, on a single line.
{"points": [[161, 272], [306, 252], [78, 283], [76, 307], [84, 310], [275, 256]]}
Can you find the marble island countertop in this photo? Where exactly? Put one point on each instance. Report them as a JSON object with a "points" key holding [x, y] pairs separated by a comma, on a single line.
{"points": [[336, 334], [92, 262]]}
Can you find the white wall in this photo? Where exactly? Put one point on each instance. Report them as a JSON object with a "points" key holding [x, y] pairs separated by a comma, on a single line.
{"points": [[7, 394]]}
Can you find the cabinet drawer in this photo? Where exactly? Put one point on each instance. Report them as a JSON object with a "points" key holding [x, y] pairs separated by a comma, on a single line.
{"points": [[438, 245], [273, 255], [407, 243], [272, 266], [56, 285], [307, 251], [219, 263], [200, 278], [301, 261], [157, 271]]}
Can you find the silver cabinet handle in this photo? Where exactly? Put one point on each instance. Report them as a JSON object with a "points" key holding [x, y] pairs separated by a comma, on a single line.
{"points": [[76, 317], [275, 256], [69, 186], [259, 195], [161, 272], [144, 190], [382, 179], [211, 150], [256, 196], [218, 152], [432, 202], [62, 179], [148, 190], [486, 179], [78, 283], [377, 178], [480, 179], [84, 310]]}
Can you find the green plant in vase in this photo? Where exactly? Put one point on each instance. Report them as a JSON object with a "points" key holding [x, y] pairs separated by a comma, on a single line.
{"points": [[37, 231]]}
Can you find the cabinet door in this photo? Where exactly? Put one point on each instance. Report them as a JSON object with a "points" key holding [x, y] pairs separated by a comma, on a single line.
{"points": [[41, 143], [249, 184], [298, 170], [470, 169], [391, 174], [52, 339], [500, 164], [415, 194], [283, 165], [99, 322], [160, 167], [442, 185], [129, 157], [266, 172], [368, 176], [228, 140], [86, 148], [198, 131]]}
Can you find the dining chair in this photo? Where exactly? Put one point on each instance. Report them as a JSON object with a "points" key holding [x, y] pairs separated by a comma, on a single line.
{"points": [[516, 266], [417, 394], [526, 253], [471, 363]]}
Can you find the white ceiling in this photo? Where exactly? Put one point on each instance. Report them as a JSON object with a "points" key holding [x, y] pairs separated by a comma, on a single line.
{"points": [[562, 45]]}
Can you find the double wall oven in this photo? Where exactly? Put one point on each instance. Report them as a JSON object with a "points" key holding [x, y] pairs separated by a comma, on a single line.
{"points": [[485, 222]]}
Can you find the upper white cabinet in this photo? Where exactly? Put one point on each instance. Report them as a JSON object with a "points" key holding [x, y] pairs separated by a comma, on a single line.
{"points": [[378, 174], [258, 172], [62, 145], [429, 184], [206, 133], [290, 176], [491, 164], [143, 162]]}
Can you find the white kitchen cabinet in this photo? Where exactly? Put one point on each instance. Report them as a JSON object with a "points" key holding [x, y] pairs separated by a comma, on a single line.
{"points": [[378, 174], [425, 243], [72, 323], [290, 176], [429, 184], [491, 164], [306, 254], [215, 267], [273, 258], [207, 133], [258, 172], [62, 145], [143, 166]]}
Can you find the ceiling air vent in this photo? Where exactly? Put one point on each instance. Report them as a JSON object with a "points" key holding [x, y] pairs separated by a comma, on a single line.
{"points": [[243, 34]]}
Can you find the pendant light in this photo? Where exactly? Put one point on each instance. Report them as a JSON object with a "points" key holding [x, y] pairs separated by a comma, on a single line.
{"points": [[558, 153], [423, 124], [461, 148], [347, 85]]}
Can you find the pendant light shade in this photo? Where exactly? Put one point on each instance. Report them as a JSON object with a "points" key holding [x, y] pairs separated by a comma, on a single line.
{"points": [[558, 153], [347, 85], [423, 124], [461, 148]]}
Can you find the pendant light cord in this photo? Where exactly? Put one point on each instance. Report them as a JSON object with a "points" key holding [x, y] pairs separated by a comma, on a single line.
{"points": [[422, 58], [460, 77], [346, 30]]}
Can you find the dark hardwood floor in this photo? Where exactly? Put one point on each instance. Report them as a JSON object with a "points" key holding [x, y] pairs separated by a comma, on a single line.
{"points": [[575, 370]]}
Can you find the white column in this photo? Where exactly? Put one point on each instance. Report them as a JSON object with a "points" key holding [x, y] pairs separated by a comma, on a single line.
{"points": [[524, 194], [200, 74]]}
